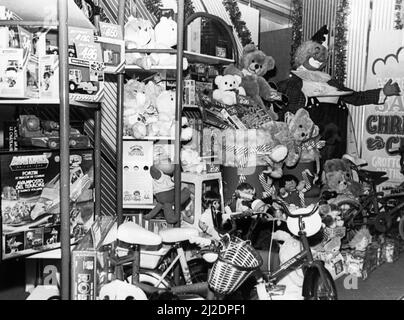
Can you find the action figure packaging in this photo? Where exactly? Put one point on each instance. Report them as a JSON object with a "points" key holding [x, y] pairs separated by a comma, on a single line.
{"points": [[30, 201]]}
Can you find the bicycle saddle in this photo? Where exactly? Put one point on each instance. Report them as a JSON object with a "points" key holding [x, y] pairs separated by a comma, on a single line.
{"points": [[371, 175], [132, 233], [178, 234]]}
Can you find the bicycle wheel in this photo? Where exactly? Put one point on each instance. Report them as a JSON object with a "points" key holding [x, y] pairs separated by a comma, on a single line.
{"points": [[401, 227], [324, 290]]}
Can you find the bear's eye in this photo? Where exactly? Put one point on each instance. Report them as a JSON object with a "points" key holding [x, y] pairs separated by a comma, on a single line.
{"points": [[225, 83], [301, 126], [140, 28], [253, 61]]}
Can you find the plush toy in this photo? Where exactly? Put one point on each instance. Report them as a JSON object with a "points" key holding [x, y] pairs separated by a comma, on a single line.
{"points": [[254, 64], [121, 290], [166, 38], [228, 88], [191, 161], [165, 105], [333, 165], [293, 280], [361, 239], [331, 216], [296, 129], [163, 189], [139, 34], [135, 105], [292, 190], [336, 181]]}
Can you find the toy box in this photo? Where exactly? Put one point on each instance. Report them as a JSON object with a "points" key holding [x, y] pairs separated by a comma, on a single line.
{"points": [[137, 181], [49, 77], [30, 202], [13, 78], [113, 54]]}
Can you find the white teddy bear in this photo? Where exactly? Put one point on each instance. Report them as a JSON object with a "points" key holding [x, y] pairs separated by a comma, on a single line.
{"points": [[228, 88]]}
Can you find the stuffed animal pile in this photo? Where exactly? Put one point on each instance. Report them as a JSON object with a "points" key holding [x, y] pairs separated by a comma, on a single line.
{"points": [[150, 111], [140, 34], [254, 64]]}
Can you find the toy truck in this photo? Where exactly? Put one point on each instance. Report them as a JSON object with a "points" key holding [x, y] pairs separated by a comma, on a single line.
{"points": [[76, 82], [45, 134]]}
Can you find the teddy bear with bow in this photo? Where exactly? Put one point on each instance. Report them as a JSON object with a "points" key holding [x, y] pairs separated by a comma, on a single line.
{"points": [[228, 87], [254, 64]]}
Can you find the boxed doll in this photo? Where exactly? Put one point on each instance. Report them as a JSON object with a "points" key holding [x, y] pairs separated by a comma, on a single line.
{"points": [[49, 77], [12, 75], [137, 181]]}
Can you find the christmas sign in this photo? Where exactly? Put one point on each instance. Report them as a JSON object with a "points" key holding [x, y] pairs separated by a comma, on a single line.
{"points": [[384, 124]]}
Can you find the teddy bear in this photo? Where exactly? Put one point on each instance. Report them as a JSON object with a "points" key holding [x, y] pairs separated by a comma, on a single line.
{"points": [[165, 33], [139, 34], [228, 86], [191, 161], [254, 64], [296, 129], [342, 165], [336, 181]]}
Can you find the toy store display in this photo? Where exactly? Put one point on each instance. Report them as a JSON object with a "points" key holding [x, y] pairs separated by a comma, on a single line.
{"points": [[141, 35], [30, 208]]}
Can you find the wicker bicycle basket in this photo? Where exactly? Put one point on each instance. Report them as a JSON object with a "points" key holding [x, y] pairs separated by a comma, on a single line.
{"points": [[237, 261]]}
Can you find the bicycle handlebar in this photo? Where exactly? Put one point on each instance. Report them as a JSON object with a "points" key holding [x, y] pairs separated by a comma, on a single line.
{"points": [[289, 214]]}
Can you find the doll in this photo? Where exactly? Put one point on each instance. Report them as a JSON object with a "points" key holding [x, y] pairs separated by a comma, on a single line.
{"points": [[242, 199], [211, 206], [292, 190]]}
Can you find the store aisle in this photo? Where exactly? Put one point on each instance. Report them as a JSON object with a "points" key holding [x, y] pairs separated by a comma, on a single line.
{"points": [[384, 283]]}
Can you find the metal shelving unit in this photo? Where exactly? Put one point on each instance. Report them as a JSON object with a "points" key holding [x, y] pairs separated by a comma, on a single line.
{"points": [[61, 13], [178, 114]]}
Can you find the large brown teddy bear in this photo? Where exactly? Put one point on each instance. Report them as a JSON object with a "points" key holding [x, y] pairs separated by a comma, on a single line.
{"points": [[296, 129], [254, 64]]}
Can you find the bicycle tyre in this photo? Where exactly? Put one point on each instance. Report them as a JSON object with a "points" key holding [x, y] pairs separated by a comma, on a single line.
{"points": [[401, 227], [319, 287]]}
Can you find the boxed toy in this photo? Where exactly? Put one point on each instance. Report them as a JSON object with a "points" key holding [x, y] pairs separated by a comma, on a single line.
{"points": [[49, 77], [30, 202], [137, 181], [113, 54], [12, 76]]}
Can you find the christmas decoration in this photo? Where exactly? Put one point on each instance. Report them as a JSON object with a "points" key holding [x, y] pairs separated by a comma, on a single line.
{"points": [[340, 45], [296, 19], [90, 10], [240, 25], [399, 23], [154, 7]]}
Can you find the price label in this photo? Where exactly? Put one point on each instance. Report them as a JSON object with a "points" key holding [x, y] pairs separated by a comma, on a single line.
{"points": [[89, 51], [109, 30], [80, 35]]}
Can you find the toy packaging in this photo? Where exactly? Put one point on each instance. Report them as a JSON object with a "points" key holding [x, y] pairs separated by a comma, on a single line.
{"points": [[113, 54], [49, 77], [30, 202], [137, 181], [12, 75]]}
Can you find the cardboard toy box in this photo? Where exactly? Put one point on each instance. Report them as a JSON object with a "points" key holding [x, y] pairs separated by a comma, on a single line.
{"points": [[137, 181], [113, 54], [49, 77], [30, 202]]}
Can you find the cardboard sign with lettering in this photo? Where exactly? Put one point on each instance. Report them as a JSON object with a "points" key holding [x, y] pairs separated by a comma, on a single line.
{"points": [[384, 124]]}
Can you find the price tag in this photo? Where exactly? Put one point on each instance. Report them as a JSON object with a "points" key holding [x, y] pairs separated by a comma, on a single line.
{"points": [[80, 35], [89, 51], [110, 30]]}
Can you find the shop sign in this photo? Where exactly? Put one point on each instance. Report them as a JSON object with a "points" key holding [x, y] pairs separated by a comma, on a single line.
{"points": [[384, 124]]}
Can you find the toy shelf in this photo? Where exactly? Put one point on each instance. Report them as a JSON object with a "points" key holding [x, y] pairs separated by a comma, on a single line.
{"points": [[26, 150], [47, 102], [194, 57], [149, 138], [138, 206]]}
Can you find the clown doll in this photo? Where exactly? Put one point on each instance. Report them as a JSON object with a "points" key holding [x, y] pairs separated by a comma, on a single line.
{"points": [[324, 97]]}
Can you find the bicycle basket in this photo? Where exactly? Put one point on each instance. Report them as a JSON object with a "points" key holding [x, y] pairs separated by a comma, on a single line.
{"points": [[237, 261]]}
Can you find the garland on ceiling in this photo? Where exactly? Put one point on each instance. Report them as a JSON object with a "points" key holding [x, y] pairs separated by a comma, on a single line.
{"points": [[340, 44], [240, 25], [155, 6], [90, 9], [296, 19], [399, 15]]}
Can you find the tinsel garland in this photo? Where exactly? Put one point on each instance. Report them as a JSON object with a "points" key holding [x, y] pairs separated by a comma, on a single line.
{"points": [[399, 15], [340, 44], [296, 19], [240, 25], [90, 9]]}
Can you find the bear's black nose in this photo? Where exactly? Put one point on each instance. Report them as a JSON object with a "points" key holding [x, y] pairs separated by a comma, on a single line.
{"points": [[303, 134], [256, 66]]}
